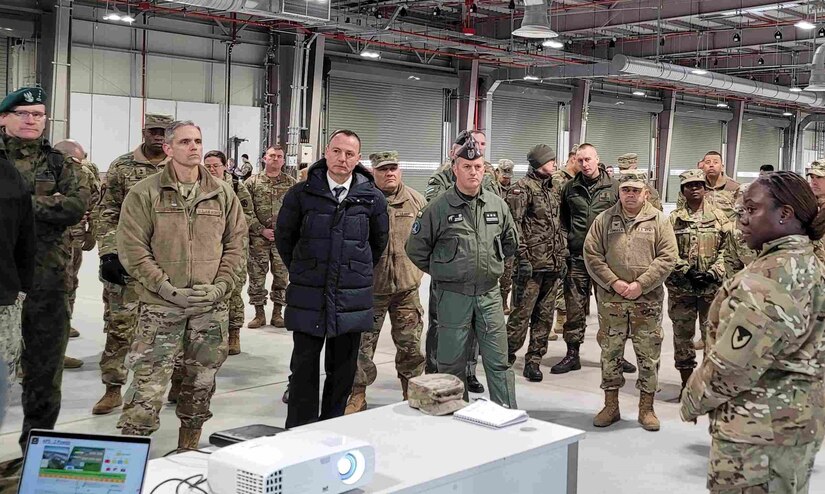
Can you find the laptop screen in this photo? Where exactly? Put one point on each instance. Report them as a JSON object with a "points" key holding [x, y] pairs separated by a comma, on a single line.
{"points": [[63, 462]]}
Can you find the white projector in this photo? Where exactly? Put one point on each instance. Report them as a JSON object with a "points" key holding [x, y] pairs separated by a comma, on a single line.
{"points": [[292, 462]]}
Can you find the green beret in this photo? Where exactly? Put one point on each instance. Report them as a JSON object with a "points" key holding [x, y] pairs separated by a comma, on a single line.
{"points": [[25, 96]]}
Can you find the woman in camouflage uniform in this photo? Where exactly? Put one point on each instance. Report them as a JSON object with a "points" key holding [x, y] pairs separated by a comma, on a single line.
{"points": [[762, 381]]}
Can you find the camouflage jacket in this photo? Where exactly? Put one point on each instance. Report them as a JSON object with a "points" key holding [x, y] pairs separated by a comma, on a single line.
{"points": [[162, 237], [394, 272], [243, 195], [762, 380], [444, 178], [701, 245], [653, 196], [642, 250], [90, 175], [535, 208], [722, 195], [59, 201], [267, 198], [737, 253], [123, 174]]}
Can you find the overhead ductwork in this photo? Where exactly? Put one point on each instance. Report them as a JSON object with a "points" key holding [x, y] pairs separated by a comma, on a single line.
{"points": [[305, 11], [817, 81], [686, 75], [536, 22]]}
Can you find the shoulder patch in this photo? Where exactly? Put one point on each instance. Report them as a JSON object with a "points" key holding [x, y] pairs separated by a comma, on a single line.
{"points": [[740, 338], [416, 227], [244, 203]]}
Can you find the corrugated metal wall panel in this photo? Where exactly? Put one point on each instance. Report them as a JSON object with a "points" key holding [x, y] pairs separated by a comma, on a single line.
{"points": [[692, 138], [616, 131], [519, 123], [5, 61], [386, 116], [758, 145]]}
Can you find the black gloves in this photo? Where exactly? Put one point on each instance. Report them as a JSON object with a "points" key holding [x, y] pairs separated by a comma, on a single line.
{"points": [[111, 269], [700, 280]]}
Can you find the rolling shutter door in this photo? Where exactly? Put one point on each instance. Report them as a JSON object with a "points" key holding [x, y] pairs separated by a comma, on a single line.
{"points": [[616, 131], [5, 62], [385, 116], [519, 123], [692, 138], [759, 145]]}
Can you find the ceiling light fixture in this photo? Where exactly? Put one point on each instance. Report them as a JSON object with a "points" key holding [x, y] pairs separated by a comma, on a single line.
{"points": [[721, 104], [536, 21], [468, 31], [530, 77], [111, 17], [795, 89], [736, 38], [414, 78], [473, 8], [806, 25], [370, 54], [821, 33], [512, 5], [777, 35], [639, 92], [552, 43], [612, 43], [436, 11], [763, 8], [699, 71], [403, 12], [761, 61], [786, 113]]}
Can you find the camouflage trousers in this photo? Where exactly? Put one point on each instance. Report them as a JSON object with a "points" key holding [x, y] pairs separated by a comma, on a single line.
{"points": [[642, 323], [263, 257], [506, 280], [533, 309], [739, 468], [11, 338], [73, 268], [406, 325], [163, 332], [120, 311], [683, 310], [577, 287], [461, 315], [560, 305], [236, 307], [45, 332]]}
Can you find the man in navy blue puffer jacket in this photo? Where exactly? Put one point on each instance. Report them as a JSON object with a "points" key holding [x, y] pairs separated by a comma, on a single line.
{"points": [[330, 232]]}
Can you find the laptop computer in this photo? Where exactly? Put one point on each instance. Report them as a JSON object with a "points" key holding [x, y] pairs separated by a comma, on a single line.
{"points": [[65, 462]]}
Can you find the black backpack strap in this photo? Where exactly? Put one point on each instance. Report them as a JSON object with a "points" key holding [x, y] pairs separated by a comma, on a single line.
{"points": [[235, 184]]}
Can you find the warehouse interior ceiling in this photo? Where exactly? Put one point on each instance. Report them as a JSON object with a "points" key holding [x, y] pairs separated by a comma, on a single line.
{"points": [[768, 43]]}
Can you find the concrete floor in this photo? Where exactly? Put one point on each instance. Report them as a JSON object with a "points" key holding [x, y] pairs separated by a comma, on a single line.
{"points": [[622, 458]]}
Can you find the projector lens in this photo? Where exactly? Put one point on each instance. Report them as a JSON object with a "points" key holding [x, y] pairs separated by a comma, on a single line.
{"points": [[351, 467]]}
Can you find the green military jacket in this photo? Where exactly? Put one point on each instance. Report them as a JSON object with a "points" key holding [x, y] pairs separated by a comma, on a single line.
{"points": [[535, 208], [60, 200], [761, 381], [461, 244], [702, 241], [642, 249], [580, 204], [444, 178], [123, 174], [394, 272], [267, 199]]}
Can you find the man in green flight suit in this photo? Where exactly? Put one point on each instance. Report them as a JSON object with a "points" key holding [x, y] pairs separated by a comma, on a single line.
{"points": [[461, 239]]}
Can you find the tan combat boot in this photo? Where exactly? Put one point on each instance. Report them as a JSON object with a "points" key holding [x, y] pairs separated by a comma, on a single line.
{"points": [[357, 400], [234, 341], [277, 318], [260, 318], [404, 384], [73, 333], [188, 438], [109, 402], [647, 417], [72, 363], [561, 318], [699, 344], [610, 413]]}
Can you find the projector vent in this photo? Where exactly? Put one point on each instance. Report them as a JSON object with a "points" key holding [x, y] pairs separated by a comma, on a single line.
{"points": [[250, 483]]}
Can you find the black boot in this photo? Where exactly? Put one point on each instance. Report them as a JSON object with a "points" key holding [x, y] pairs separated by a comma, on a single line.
{"points": [[285, 396], [533, 373], [570, 362], [627, 367], [685, 375], [473, 386]]}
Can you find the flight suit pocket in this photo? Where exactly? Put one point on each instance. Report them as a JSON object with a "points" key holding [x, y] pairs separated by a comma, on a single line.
{"points": [[499, 250], [446, 250]]}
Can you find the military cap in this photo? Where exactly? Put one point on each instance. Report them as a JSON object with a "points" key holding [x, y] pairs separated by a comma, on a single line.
{"points": [[626, 160], [692, 175], [633, 178], [469, 149], [157, 121], [436, 394], [384, 158], [505, 168], [25, 96], [540, 155], [817, 169]]}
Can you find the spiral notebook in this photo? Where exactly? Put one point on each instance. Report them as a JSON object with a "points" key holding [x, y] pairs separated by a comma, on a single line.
{"points": [[489, 414]]}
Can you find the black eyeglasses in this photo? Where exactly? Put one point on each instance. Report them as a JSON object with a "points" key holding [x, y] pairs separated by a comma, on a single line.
{"points": [[36, 115]]}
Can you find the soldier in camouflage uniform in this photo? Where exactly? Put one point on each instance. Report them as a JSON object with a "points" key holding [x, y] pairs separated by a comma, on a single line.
{"points": [[701, 232], [559, 178], [629, 252], [542, 254], [268, 189], [395, 286], [59, 202], [722, 191], [816, 179], [504, 172], [762, 381], [120, 299], [183, 290], [630, 161]]}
